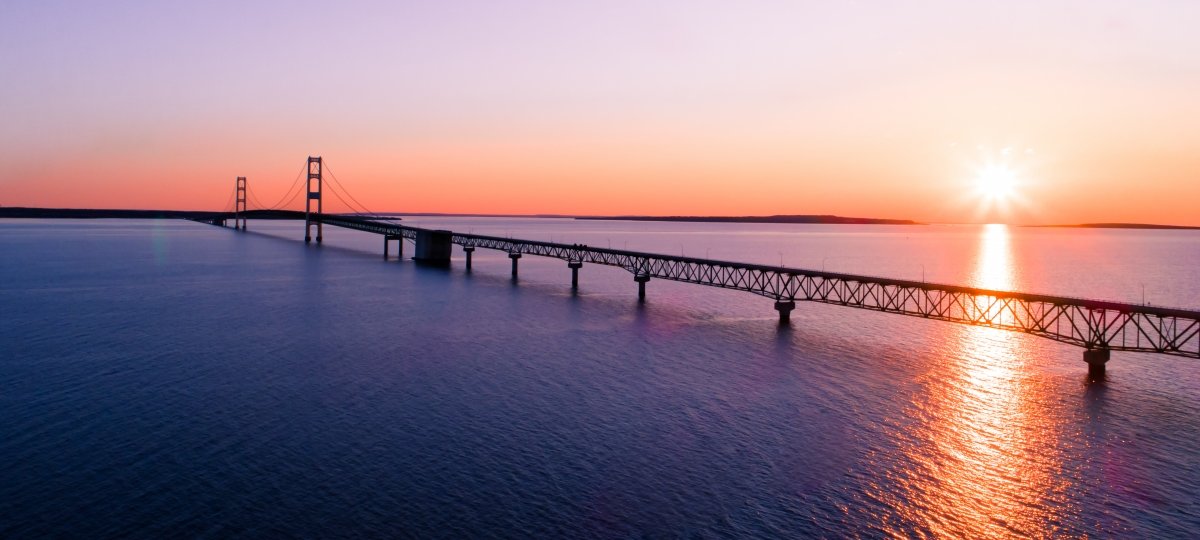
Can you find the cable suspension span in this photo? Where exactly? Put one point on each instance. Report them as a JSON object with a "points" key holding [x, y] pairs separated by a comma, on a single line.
{"points": [[1098, 326], [334, 191], [289, 201], [229, 203], [255, 200], [364, 208], [295, 185]]}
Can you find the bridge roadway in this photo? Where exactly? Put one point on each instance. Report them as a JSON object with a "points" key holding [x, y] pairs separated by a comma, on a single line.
{"points": [[1098, 326]]}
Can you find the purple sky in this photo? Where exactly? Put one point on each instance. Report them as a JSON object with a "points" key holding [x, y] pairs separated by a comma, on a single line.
{"points": [[866, 104]]}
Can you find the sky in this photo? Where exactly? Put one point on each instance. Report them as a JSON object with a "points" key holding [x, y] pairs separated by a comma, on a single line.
{"points": [[887, 109]]}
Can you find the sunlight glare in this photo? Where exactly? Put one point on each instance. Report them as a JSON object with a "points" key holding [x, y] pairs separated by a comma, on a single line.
{"points": [[996, 182]]}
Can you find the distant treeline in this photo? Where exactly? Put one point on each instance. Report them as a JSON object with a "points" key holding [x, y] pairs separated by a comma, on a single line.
{"points": [[819, 219]]}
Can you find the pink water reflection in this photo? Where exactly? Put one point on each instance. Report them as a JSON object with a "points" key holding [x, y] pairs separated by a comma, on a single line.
{"points": [[984, 453]]}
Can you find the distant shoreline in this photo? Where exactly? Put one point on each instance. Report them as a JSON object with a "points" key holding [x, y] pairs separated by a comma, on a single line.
{"points": [[97, 213], [103, 213], [1121, 226], [795, 219]]}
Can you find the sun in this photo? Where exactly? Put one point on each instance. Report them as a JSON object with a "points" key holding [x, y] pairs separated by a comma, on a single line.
{"points": [[996, 182]]}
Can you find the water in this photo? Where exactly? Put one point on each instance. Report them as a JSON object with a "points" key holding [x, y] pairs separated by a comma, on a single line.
{"points": [[166, 378]]}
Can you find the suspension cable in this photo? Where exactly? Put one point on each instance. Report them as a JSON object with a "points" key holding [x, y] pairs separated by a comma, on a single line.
{"points": [[289, 202], [335, 180], [255, 199], [295, 183], [339, 197], [360, 210], [228, 203]]}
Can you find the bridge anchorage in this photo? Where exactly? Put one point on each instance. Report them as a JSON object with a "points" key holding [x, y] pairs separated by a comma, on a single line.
{"points": [[433, 247], [1098, 326]]}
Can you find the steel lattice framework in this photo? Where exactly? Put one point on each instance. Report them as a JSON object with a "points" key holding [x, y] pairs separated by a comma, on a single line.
{"points": [[1092, 324]]}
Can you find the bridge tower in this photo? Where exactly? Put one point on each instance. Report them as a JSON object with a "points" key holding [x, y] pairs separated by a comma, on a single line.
{"points": [[314, 173], [239, 207]]}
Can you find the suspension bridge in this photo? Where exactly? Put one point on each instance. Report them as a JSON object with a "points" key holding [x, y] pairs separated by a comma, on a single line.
{"points": [[1097, 326]]}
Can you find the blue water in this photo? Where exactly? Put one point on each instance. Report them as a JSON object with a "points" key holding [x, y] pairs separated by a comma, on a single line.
{"points": [[167, 378]]}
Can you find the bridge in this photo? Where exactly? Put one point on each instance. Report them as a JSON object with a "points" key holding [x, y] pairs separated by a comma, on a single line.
{"points": [[1097, 326]]}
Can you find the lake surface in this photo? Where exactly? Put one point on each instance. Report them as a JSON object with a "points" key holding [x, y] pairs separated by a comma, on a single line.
{"points": [[167, 378]]}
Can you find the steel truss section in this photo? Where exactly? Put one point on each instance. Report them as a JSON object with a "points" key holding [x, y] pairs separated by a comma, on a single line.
{"points": [[1092, 324]]}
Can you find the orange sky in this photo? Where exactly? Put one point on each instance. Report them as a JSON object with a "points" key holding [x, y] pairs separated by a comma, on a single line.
{"points": [[862, 110]]}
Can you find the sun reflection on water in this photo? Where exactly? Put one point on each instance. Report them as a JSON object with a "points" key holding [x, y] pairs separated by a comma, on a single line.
{"points": [[984, 454], [994, 265]]}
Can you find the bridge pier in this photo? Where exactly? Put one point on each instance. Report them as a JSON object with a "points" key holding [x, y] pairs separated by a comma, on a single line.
{"points": [[641, 280], [574, 266], [515, 256], [387, 239], [785, 307], [468, 250], [1096, 359], [433, 248]]}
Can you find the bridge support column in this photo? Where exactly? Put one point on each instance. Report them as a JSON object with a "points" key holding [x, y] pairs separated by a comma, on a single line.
{"points": [[574, 266], [469, 250], [785, 307], [1096, 359], [641, 280], [433, 248], [515, 257], [387, 240]]}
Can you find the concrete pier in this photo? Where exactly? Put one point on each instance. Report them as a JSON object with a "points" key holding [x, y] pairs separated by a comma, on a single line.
{"points": [[641, 280], [433, 248], [1096, 359], [515, 257], [574, 266], [469, 250], [785, 307], [387, 241], [387, 244]]}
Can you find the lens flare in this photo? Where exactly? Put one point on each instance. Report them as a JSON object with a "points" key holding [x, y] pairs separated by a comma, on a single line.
{"points": [[996, 182]]}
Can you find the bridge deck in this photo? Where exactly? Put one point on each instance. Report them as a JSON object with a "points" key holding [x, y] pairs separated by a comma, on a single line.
{"points": [[1093, 324]]}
